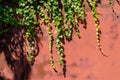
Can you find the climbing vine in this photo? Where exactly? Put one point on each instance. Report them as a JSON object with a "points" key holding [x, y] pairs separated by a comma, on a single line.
{"points": [[63, 15]]}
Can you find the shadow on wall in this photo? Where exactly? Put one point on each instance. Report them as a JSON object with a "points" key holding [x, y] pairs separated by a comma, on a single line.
{"points": [[14, 64]]}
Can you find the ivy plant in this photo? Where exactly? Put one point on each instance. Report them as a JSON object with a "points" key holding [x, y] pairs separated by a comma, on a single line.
{"points": [[66, 15]]}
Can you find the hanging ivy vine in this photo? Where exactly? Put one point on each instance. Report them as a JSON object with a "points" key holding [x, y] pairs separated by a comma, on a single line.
{"points": [[66, 15]]}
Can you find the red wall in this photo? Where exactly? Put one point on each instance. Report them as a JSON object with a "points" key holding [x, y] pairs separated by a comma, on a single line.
{"points": [[84, 61]]}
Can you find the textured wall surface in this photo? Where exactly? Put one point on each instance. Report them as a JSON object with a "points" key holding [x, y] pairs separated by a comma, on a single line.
{"points": [[84, 61]]}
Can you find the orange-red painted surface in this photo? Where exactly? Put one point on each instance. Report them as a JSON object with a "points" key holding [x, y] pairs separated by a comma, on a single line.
{"points": [[84, 61]]}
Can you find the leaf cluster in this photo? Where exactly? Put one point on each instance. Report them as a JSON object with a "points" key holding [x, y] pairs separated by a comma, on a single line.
{"points": [[66, 15]]}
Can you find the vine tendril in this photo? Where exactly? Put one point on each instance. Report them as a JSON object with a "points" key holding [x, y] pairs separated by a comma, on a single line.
{"points": [[64, 16]]}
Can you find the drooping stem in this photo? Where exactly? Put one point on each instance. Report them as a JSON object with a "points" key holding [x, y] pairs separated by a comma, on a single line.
{"points": [[93, 5]]}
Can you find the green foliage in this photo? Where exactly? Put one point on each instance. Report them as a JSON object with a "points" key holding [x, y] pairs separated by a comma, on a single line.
{"points": [[93, 5], [6, 17], [65, 14]]}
